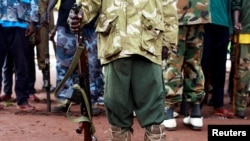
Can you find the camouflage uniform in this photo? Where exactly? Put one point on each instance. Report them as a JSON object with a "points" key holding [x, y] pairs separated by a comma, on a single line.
{"points": [[96, 76], [243, 75], [243, 79], [66, 47], [182, 70], [131, 34]]}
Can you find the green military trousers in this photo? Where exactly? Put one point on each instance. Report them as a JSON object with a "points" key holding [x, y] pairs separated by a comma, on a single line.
{"points": [[133, 84], [243, 79], [182, 71]]}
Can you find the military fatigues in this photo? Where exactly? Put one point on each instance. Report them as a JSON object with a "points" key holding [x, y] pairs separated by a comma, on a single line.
{"points": [[66, 47], [243, 75], [131, 34], [243, 78], [96, 76], [182, 71]]}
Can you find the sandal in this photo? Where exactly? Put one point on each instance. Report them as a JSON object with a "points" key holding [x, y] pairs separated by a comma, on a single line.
{"points": [[7, 98], [223, 112], [26, 107]]}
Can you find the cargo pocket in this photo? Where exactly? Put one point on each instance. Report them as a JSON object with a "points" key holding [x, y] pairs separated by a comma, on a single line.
{"points": [[152, 35], [109, 40]]}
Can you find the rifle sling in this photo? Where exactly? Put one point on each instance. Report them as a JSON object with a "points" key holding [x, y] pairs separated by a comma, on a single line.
{"points": [[71, 69]]}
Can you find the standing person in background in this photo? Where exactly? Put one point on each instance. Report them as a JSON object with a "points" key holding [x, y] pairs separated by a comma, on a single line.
{"points": [[130, 38], [182, 72], [216, 40], [9, 70], [241, 19], [39, 39], [17, 23]]}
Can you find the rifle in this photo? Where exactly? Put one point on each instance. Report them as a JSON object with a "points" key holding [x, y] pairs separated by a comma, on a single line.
{"points": [[81, 89], [235, 63], [47, 83], [83, 74], [47, 80]]}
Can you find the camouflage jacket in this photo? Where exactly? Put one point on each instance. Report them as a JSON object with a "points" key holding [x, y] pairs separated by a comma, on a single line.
{"points": [[193, 12], [129, 27], [18, 11]]}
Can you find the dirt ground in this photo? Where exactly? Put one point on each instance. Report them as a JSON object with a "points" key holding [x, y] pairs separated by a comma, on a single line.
{"points": [[47, 126]]}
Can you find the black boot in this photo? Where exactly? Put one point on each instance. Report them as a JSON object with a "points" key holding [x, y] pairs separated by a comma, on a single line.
{"points": [[169, 123], [184, 108], [195, 110], [61, 108]]}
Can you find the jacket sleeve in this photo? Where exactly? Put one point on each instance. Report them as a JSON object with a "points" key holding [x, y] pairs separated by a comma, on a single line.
{"points": [[230, 19], [90, 9], [236, 4], [171, 23]]}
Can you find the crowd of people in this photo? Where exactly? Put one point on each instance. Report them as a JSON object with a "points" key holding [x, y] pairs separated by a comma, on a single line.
{"points": [[39, 40], [146, 58]]}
